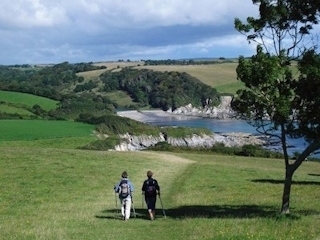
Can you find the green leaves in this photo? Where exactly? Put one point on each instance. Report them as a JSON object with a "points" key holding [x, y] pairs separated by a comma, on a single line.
{"points": [[282, 25], [267, 93]]}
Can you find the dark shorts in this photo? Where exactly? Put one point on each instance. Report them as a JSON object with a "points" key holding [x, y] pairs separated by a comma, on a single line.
{"points": [[151, 202]]}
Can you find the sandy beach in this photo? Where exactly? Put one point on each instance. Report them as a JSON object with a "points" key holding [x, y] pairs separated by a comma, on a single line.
{"points": [[151, 115]]}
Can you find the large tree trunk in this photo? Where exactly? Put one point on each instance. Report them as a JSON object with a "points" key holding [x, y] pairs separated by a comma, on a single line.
{"points": [[286, 192]]}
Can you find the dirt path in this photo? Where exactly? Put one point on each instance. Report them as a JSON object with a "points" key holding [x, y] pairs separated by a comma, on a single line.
{"points": [[167, 157]]}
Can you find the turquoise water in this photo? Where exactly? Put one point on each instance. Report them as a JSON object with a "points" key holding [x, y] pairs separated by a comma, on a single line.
{"points": [[224, 126]]}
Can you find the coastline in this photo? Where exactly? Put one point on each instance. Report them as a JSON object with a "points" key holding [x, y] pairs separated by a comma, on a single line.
{"points": [[152, 115], [237, 134]]}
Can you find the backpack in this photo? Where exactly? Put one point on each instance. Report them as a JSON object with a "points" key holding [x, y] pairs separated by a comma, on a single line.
{"points": [[124, 189], [150, 189]]}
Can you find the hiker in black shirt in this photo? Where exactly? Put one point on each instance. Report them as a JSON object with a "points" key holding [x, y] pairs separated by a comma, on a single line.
{"points": [[150, 189]]}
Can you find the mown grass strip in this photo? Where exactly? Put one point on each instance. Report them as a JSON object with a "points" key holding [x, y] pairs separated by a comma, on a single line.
{"points": [[28, 100], [4, 108], [42, 129]]}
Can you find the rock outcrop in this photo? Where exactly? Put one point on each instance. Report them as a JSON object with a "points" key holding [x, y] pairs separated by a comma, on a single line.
{"points": [[223, 111], [136, 143]]}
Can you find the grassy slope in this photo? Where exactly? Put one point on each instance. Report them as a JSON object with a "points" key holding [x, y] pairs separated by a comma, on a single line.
{"points": [[211, 74], [41, 129], [49, 190], [27, 99], [4, 108], [49, 193], [220, 76]]}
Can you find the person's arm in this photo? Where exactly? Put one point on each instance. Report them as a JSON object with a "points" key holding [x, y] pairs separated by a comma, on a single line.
{"points": [[116, 187], [157, 188], [143, 188], [131, 186]]}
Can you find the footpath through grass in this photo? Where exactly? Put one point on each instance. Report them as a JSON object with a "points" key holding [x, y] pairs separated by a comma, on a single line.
{"points": [[52, 193]]}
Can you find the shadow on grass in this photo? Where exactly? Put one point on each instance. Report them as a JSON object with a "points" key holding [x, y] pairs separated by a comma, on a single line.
{"points": [[116, 214], [314, 174], [213, 211], [273, 181], [223, 211]]}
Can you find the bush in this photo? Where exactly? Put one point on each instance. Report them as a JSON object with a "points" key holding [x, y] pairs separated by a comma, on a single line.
{"points": [[103, 145], [162, 146]]}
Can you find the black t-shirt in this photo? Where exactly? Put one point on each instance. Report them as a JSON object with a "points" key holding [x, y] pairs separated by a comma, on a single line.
{"points": [[150, 187]]}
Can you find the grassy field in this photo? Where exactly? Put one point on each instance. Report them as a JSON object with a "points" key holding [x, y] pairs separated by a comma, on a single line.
{"points": [[212, 74], [63, 193], [110, 66], [28, 100], [13, 130], [5, 108], [221, 76], [50, 189]]}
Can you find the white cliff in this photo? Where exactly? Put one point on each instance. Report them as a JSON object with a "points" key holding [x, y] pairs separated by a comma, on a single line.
{"points": [[223, 111], [136, 143]]}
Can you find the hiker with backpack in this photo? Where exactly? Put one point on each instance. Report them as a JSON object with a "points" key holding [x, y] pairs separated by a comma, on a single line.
{"points": [[150, 189], [125, 188]]}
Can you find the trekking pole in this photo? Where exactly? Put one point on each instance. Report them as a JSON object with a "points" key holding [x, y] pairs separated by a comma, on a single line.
{"points": [[164, 213], [134, 211], [142, 200], [115, 196]]}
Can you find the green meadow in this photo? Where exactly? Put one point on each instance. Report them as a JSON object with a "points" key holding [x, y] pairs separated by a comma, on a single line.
{"points": [[58, 192], [51, 189], [42, 129], [27, 99]]}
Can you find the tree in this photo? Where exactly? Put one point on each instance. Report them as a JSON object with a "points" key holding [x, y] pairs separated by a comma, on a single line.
{"points": [[276, 101]]}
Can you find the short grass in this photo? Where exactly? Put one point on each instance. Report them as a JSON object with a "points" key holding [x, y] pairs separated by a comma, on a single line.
{"points": [[28, 100], [55, 193], [119, 64], [42, 129], [110, 66], [6, 108], [221, 76], [121, 97], [218, 76]]}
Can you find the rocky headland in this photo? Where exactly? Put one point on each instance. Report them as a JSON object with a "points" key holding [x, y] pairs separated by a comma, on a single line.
{"points": [[223, 111], [136, 143]]}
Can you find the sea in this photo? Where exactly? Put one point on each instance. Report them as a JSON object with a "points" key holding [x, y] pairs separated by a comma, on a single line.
{"points": [[224, 126]]}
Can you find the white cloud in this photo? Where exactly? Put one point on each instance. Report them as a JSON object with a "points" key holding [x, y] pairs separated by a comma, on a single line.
{"points": [[30, 13], [80, 30]]}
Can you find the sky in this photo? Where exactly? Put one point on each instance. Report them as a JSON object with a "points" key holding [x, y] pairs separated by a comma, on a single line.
{"points": [[55, 31]]}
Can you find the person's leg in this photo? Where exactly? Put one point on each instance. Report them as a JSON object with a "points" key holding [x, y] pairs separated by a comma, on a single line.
{"points": [[127, 208], [123, 205], [154, 207], [150, 205], [151, 214]]}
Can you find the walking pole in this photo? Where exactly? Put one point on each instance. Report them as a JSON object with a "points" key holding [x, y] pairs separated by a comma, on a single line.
{"points": [[134, 211], [164, 213], [115, 196], [142, 200]]}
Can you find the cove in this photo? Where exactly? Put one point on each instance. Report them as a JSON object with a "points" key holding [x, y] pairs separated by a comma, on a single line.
{"points": [[221, 126]]}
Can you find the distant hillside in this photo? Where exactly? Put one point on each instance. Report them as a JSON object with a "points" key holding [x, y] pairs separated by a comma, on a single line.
{"points": [[28, 100], [99, 88], [216, 72], [25, 105]]}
